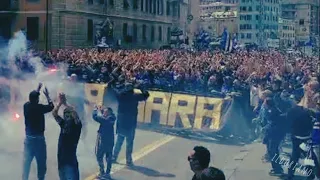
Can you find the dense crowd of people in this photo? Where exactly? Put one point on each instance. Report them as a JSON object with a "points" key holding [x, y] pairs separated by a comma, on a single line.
{"points": [[274, 82], [181, 70], [282, 89]]}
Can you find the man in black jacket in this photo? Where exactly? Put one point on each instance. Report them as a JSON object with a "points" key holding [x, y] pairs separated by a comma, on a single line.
{"points": [[69, 137], [34, 143], [127, 119], [105, 139], [301, 127]]}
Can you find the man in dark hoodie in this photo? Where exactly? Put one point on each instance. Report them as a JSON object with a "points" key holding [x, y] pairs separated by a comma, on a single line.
{"points": [[69, 137], [34, 143], [127, 119], [105, 139]]}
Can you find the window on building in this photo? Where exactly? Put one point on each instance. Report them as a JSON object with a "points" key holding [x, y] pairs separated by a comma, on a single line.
{"points": [[144, 33], [146, 5], [90, 2], [257, 17], [249, 18], [111, 3], [250, 9], [160, 33], [141, 5], [154, 7], [249, 36], [301, 22], [125, 4], [242, 36], [150, 6], [158, 6], [135, 4], [32, 28], [161, 7], [168, 8], [135, 33], [168, 34], [90, 30], [101, 1], [125, 31], [152, 33]]}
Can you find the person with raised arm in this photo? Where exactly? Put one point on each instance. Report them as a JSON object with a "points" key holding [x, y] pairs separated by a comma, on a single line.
{"points": [[69, 137], [35, 143]]}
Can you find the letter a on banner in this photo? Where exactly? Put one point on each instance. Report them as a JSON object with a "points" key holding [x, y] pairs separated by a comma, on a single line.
{"points": [[94, 93], [182, 105], [157, 101], [211, 108], [141, 106]]}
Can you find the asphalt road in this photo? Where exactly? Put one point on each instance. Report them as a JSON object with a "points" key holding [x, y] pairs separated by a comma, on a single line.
{"points": [[156, 155]]}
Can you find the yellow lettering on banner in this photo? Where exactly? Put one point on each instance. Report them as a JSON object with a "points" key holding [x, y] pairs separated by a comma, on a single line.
{"points": [[157, 101], [140, 107], [183, 105], [204, 110], [94, 93]]}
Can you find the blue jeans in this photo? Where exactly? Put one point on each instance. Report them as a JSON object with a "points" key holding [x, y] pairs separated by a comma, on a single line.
{"points": [[35, 147], [129, 145], [68, 172]]}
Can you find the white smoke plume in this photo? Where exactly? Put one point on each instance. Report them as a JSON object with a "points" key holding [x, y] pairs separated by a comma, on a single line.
{"points": [[12, 121]]}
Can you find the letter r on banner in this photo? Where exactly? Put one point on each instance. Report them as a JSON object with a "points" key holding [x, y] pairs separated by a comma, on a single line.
{"points": [[208, 107], [182, 105], [157, 101]]}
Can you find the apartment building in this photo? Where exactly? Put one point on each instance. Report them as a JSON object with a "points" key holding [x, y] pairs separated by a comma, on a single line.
{"points": [[73, 23], [287, 33], [306, 16], [258, 21]]}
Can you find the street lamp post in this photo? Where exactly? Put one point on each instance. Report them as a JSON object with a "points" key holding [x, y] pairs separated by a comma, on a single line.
{"points": [[47, 24]]}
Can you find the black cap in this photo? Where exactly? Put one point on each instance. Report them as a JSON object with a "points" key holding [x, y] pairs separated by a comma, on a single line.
{"points": [[33, 96]]}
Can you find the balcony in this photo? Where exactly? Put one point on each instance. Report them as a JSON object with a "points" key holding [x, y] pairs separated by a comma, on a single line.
{"points": [[9, 5]]}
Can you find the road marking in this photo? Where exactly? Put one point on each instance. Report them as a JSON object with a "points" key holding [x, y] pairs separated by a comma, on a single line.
{"points": [[137, 155]]}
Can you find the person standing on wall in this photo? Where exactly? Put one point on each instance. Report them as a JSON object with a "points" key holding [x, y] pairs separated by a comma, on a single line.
{"points": [[105, 139], [127, 119], [34, 143], [69, 137]]}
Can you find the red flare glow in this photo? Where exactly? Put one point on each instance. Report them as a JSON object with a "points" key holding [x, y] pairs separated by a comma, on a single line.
{"points": [[53, 70], [16, 116]]}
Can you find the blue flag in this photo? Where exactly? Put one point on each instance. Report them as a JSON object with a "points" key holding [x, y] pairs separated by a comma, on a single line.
{"points": [[224, 39]]}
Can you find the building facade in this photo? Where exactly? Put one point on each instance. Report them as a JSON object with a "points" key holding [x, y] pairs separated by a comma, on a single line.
{"points": [[287, 33], [73, 23], [218, 21], [206, 2], [306, 16], [208, 9], [258, 21], [216, 16]]}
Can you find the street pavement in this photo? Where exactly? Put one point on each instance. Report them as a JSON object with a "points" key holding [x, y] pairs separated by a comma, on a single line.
{"points": [[156, 155]]}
